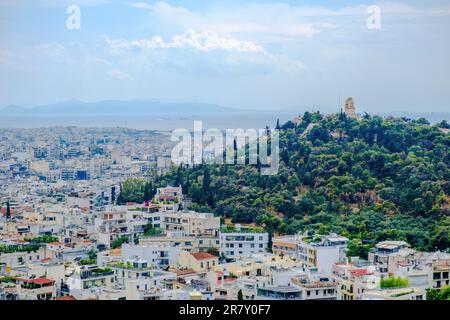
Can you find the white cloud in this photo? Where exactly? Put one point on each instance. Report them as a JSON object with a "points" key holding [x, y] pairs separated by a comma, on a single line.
{"points": [[119, 74], [273, 19], [53, 3], [11, 60], [200, 41], [51, 49], [232, 56]]}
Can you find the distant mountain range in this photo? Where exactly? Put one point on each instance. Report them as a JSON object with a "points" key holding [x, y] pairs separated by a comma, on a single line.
{"points": [[115, 107], [433, 117], [141, 107]]}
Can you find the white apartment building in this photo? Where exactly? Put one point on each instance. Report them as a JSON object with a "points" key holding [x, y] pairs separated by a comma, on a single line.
{"points": [[408, 293], [159, 256], [317, 287], [186, 243], [18, 259], [440, 271], [387, 254], [191, 222], [242, 243], [169, 198], [318, 251], [85, 277]]}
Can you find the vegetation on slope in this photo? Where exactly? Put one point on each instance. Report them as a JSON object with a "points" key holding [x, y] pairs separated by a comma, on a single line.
{"points": [[372, 179]]}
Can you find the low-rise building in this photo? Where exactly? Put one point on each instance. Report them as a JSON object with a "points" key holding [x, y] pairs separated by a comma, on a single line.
{"points": [[440, 273], [36, 288], [85, 277], [395, 294], [198, 261], [237, 243], [158, 256], [317, 251], [191, 223], [387, 254]]}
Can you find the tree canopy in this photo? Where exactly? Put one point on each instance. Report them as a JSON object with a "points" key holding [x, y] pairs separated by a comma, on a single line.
{"points": [[371, 179]]}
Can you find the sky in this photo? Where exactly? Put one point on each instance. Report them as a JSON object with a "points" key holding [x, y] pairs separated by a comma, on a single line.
{"points": [[264, 55]]}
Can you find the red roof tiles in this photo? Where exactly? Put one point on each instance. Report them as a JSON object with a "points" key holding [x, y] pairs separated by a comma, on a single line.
{"points": [[37, 280], [203, 256], [66, 298]]}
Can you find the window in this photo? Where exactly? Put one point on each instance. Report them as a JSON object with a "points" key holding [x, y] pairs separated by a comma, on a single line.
{"points": [[436, 275]]}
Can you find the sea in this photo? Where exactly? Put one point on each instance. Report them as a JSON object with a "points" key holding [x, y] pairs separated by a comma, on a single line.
{"points": [[166, 122]]}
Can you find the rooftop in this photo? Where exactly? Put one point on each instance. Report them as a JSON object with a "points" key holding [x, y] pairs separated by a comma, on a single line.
{"points": [[37, 280], [388, 245], [203, 256]]}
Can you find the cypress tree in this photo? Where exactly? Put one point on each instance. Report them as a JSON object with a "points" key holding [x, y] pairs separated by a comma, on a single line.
{"points": [[8, 210]]}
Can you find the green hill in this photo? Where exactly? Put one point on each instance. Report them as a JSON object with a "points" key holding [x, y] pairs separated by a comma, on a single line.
{"points": [[372, 179]]}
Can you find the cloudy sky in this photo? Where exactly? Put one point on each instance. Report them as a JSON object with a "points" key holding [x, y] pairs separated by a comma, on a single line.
{"points": [[237, 53]]}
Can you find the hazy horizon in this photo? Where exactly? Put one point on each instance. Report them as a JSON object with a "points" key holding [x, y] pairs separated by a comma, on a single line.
{"points": [[163, 117], [327, 109]]}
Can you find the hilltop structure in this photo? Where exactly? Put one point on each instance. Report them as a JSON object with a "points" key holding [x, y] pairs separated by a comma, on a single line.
{"points": [[350, 109]]}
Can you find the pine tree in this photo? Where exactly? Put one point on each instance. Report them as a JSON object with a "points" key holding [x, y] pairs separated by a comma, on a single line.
{"points": [[270, 242], [148, 191], [179, 177], [206, 187], [235, 150], [240, 296]]}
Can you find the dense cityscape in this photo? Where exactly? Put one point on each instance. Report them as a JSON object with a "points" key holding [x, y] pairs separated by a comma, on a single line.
{"points": [[224, 159], [66, 236]]}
